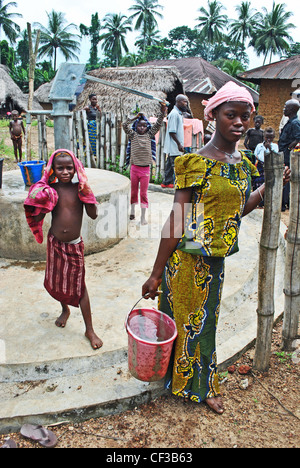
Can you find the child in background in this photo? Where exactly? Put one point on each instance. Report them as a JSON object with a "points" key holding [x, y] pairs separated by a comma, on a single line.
{"points": [[255, 135], [259, 153], [141, 134], [16, 127], [65, 271]]}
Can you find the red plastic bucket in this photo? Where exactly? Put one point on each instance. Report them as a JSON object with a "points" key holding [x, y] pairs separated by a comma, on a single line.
{"points": [[151, 335]]}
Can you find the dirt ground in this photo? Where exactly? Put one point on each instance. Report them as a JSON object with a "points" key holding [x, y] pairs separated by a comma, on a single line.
{"points": [[265, 414]]}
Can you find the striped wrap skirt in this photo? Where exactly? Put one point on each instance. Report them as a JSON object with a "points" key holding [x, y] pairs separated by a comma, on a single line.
{"points": [[65, 271]]}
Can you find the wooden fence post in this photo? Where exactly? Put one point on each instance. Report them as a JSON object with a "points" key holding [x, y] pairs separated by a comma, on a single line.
{"points": [[79, 137], [123, 147], [42, 138], [102, 141], [273, 168], [98, 129], [113, 139], [292, 262]]}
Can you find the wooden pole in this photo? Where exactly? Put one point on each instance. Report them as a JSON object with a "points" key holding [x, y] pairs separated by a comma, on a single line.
{"points": [[102, 140], [273, 168], [32, 63], [98, 126], [292, 262], [123, 148]]}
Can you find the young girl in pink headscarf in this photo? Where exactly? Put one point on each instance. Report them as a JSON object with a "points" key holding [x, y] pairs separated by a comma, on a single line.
{"points": [[213, 193]]}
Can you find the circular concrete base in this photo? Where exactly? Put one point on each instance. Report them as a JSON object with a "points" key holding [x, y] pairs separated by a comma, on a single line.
{"points": [[17, 241]]}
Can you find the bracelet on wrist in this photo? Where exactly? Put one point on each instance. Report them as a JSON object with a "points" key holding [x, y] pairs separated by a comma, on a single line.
{"points": [[262, 198]]}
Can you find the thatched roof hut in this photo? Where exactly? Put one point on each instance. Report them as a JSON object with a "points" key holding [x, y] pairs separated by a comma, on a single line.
{"points": [[161, 82], [42, 95], [11, 96], [201, 80]]}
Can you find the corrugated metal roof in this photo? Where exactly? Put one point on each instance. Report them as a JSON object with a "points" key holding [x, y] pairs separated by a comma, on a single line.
{"points": [[200, 76], [288, 69]]}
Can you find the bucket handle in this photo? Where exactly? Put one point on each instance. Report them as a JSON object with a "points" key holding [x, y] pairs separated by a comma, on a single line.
{"points": [[143, 297]]}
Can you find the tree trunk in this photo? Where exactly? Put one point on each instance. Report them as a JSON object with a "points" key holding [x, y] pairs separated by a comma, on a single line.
{"points": [[292, 263], [32, 63], [273, 168]]}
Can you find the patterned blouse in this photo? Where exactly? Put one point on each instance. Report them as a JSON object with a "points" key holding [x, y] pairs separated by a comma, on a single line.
{"points": [[220, 192]]}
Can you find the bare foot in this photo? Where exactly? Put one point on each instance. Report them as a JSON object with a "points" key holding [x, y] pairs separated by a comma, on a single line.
{"points": [[143, 222], [62, 320], [96, 343], [215, 404]]}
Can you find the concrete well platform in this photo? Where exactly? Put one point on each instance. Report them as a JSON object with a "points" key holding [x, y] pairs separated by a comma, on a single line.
{"points": [[49, 375], [16, 240]]}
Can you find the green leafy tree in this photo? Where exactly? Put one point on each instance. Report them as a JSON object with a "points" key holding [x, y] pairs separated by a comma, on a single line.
{"points": [[7, 25], [146, 12], [58, 37], [186, 41], [22, 49], [93, 32], [242, 28], [233, 67], [114, 42], [271, 34], [131, 60], [212, 22], [8, 56], [294, 50], [152, 37]]}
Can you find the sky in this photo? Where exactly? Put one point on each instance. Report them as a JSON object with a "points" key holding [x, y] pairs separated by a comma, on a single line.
{"points": [[174, 12]]}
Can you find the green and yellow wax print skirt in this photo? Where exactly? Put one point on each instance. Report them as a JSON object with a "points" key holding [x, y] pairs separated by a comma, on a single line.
{"points": [[191, 295], [92, 131]]}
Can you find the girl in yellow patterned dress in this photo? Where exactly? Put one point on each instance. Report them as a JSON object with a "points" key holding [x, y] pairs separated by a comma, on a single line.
{"points": [[213, 193]]}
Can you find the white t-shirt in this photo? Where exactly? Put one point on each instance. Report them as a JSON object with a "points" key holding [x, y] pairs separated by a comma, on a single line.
{"points": [[175, 125], [260, 151]]}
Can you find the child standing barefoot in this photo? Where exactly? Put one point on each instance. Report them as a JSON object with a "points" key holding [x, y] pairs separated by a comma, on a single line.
{"points": [[16, 127], [65, 271]]}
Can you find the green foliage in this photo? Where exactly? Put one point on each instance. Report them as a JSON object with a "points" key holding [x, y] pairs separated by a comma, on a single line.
{"points": [[216, 38]]}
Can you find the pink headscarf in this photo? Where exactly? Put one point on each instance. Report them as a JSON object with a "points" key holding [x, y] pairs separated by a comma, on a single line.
{"points": [[42, 198], [229, 92]]}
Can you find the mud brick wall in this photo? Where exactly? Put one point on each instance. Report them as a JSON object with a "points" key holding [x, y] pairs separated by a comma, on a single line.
{"points": [[272, 96]]}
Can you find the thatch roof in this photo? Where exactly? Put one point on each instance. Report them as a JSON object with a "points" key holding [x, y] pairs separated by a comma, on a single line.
{"points": [[10, 91], [161, 82], [43, 91], [200, 76]]}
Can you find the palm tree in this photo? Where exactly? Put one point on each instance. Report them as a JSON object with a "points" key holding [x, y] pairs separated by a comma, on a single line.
{"points": [[152, 37], [212, 21], [145, 15], [242, 28], [117, 26], [271, 33], [10, 28], [93, 32], [58, 37]]}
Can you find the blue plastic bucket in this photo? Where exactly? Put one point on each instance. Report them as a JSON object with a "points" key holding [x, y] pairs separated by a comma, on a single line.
{"points": [[31, 171]]}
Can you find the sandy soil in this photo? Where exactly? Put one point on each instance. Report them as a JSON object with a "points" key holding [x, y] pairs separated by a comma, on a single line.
{"points": [[266, 414]]}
